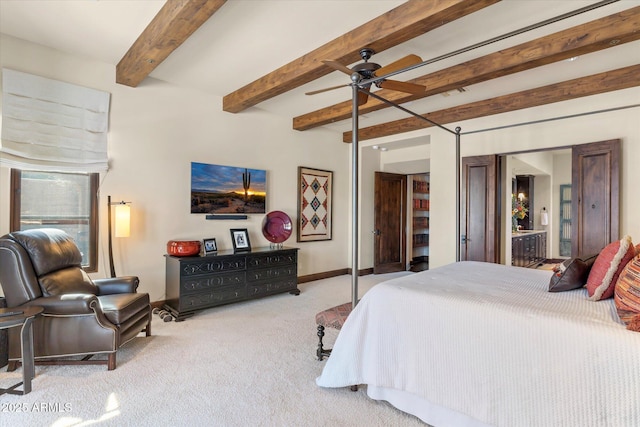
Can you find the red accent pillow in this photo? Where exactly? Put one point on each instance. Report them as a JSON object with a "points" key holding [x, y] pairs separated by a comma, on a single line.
{"points": [[605, 271], [627, 294]]}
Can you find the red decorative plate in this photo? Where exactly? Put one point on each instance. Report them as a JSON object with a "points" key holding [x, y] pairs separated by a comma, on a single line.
{"points": [[276, 226]]}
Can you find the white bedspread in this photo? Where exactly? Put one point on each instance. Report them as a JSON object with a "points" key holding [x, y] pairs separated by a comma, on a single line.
{"points": [[490, 342]]}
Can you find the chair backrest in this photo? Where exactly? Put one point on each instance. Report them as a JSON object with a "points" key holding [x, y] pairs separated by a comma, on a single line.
{"points": [[53, 259], [17, 276]]}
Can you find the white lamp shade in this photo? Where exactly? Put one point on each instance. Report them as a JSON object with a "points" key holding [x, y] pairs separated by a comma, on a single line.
{"points": [[123, 220]]}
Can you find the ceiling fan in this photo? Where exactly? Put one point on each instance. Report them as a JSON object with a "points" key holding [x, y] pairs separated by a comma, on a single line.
{"points": [[369, 70]]}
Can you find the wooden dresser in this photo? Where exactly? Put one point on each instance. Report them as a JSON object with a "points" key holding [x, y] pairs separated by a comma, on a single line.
{"points": [[200, 282], [528, 248]]}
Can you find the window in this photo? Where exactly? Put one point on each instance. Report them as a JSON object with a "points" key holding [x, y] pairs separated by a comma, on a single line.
{"points": [[67, 201]]}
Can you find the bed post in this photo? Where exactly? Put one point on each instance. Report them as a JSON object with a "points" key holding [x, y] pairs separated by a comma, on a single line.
{"points": [[354, 198], [458, 129]]}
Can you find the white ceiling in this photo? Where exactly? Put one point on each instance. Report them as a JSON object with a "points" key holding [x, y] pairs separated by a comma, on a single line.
{"points": [[246, 39]]}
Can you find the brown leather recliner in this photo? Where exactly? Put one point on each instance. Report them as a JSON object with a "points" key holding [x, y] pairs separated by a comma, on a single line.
{"points": [[81, 316]]}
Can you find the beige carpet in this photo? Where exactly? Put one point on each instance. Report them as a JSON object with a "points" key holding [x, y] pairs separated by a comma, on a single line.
{"points": [[247, 364]]}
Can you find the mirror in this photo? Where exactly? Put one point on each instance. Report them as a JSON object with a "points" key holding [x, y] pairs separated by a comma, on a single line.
{"points": [[541, 180]]}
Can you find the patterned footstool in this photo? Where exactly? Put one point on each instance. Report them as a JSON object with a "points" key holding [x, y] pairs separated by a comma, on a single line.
{"points": [[333, 317]]}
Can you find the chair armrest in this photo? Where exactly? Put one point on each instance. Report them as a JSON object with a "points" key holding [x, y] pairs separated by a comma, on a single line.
{"points": [[70, 304], [117, 285]]}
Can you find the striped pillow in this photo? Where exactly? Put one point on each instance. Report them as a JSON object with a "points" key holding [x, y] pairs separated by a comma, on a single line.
{"points": [[627, 292], [605, 271]]}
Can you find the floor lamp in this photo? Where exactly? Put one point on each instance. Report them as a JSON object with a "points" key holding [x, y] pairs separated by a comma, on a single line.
{"points": [[122, 226]]}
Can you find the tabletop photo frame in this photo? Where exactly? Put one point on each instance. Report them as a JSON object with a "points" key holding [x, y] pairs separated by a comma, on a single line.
{"points": [[240, 240], [209, 246]]}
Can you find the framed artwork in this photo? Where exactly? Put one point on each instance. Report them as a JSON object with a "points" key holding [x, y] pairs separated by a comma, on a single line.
{"points": [[240, 239], [315, 188], [209, 246], [217, 189]]}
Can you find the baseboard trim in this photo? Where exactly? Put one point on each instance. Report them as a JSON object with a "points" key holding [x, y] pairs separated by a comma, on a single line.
{"points": [[157, 304], [363, 272], [322, 275]]}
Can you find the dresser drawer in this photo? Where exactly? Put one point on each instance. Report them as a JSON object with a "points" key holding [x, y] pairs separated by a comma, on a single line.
{"points": [[212, 265], [271, 260], [272, 273], [212, 298], [192, 284], [255, 290]]}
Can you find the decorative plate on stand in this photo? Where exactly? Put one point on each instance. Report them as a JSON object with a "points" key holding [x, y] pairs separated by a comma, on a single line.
{"points": [[276, 227]]}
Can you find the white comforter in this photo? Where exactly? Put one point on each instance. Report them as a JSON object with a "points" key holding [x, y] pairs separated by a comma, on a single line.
{"points": [[490, 342]]}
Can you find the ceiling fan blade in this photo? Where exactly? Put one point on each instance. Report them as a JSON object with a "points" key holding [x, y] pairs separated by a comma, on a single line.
{"points": [[313, 92], [399, 64], [403, 87], [337, 66]]}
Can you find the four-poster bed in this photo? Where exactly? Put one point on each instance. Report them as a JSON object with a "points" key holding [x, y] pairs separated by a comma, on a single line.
{"points": [[480, 344]]}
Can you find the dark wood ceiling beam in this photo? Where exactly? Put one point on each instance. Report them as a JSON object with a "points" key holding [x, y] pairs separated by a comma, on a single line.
{"points": [[173, 24], [622, 78], [409, 20], [597, 35]]}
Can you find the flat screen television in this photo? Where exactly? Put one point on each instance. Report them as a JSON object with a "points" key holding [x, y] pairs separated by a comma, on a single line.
{"points": [[217, 189]]}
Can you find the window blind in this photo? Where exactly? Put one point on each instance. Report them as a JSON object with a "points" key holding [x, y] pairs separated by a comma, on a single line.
{"points": [[52, 125]]}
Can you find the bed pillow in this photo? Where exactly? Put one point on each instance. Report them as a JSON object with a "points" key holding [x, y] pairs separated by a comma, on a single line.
{"points": [[607, 267], [634, 324], [571, 274], [627, 294]]}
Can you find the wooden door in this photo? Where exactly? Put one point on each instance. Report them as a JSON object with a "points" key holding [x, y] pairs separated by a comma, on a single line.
{"points": [[478, 209], [390, 218], [595, 182]]}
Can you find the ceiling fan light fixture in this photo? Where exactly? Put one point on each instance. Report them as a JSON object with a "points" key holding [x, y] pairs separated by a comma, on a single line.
{"points": [[370, 70]]}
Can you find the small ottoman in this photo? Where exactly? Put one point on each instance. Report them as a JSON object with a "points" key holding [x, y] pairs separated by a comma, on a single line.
{"points": [[333, 317]]}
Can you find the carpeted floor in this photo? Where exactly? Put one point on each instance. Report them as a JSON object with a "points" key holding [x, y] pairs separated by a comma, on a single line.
{"points": [[247, 364]]}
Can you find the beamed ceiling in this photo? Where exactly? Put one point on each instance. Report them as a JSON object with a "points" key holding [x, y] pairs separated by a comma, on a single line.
{"points": [[464, 78]]}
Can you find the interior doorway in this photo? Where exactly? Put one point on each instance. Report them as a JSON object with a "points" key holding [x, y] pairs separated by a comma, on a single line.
{"points": [[419, 186]]}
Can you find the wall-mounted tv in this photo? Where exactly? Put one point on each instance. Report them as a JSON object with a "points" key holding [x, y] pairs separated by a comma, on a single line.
{"points": [[217, 189]]}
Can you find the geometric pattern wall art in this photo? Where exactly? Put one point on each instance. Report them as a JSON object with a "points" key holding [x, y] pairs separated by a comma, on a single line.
{"points": [[315, 188]]}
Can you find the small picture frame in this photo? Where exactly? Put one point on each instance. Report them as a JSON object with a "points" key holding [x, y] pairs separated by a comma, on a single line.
{"points": [[240, 239], [209, 246]]}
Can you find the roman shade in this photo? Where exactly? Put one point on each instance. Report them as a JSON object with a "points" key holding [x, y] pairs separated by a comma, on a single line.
{"points": [[52, 125]]}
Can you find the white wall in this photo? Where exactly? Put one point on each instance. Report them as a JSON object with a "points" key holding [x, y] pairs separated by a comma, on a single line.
{"points": [[156, 131]]}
